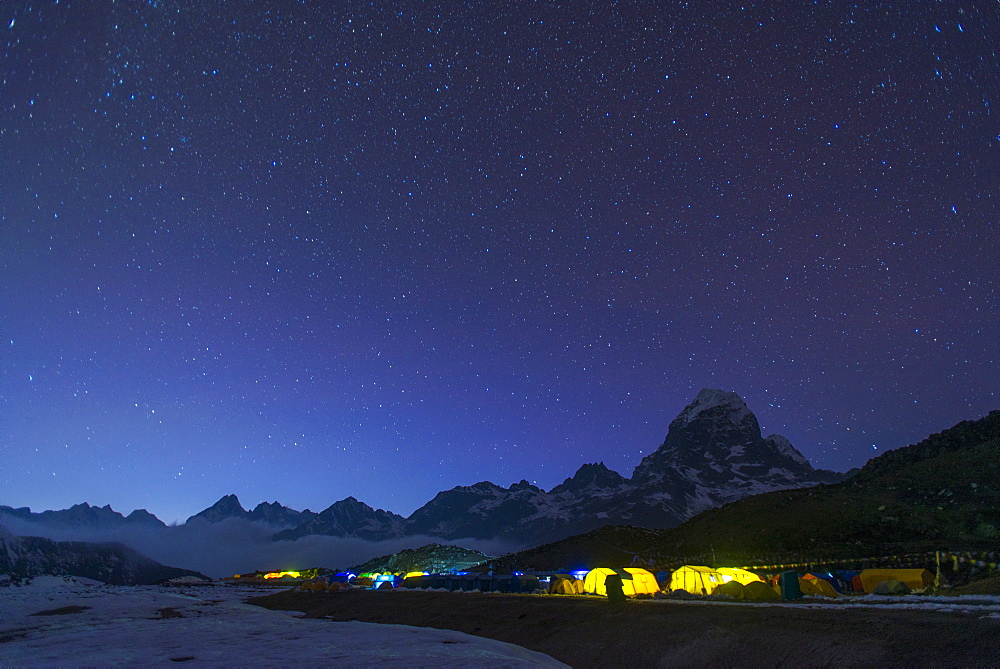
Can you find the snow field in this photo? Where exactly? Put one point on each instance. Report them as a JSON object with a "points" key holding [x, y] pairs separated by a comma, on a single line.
{"points": [[210, 626]]}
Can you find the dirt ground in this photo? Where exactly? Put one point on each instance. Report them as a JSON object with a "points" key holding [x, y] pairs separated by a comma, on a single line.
{"points": [[589, 632], [983, 586]]}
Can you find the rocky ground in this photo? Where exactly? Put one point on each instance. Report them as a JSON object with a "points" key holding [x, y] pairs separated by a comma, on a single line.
{"points": [[589, 632]]}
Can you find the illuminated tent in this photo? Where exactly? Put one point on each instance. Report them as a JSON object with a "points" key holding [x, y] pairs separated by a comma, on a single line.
{"points": [[846, 578], [732, 589], [759, 591], [643, 581], [697, 580], [281, 575], [816, 587], [915, 579], [635, 581], [565, 584], [835, 583], [421, 581], [740, 575], [386, 580]]}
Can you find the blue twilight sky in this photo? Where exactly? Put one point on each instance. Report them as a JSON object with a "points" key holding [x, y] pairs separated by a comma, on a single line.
{"points": [[303, 250]]}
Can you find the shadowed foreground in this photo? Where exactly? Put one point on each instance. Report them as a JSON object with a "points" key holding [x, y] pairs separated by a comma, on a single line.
{"points": [[590, 632]]}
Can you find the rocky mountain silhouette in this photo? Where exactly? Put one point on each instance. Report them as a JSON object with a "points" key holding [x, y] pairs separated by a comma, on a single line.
{"points": [[713, 454]]}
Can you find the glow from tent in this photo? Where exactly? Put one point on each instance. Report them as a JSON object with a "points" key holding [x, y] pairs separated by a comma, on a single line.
{"points": [[282, 574]]}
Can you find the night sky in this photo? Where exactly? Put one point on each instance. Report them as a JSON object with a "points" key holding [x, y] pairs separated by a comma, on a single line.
{"points": [[299, 251]]}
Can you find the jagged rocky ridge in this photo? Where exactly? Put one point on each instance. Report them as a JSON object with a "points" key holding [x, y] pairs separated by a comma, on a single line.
{"points": [[271, 513], [713, 454], [942, 492], [86, 517]]}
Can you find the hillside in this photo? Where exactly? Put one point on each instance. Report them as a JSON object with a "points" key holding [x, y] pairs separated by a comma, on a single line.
{"points": [[943, 492], [115, 564], [432, 558]]}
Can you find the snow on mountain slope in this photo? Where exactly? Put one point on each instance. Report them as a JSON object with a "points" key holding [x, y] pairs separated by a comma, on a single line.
{"points": [[27, 557], [713, 454], [349, 518]]}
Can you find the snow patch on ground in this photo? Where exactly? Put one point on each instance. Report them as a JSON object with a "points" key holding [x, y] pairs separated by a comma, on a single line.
{"points": [[987, 605], [87, 623]]}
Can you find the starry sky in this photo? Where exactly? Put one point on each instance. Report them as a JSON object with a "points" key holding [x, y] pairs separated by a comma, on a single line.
{"points": [[299, 251]]}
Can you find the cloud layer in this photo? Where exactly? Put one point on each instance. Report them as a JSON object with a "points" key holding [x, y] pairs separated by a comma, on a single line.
{"points": [[236, 546]]}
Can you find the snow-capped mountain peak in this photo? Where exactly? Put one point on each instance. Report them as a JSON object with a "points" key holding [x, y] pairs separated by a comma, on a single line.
{"points": [[227, 507], [713, 454], [784, 447], [731, 404]]}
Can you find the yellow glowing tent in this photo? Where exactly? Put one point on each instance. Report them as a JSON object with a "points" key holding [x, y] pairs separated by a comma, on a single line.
{"points": [[697, 580], [742, 576], [915, 579], [565, 584], [732, 589], [817, 586], [635, 581], [759, 590], [643, 582], [281, 574]]}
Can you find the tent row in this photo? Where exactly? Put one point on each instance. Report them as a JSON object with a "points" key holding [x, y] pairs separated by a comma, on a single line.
{"points": [[692, 579], [734, 582], [744, 584]]}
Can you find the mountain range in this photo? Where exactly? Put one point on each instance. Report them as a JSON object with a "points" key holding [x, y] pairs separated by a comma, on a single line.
{"points": [[713, 454], [942, 493]]}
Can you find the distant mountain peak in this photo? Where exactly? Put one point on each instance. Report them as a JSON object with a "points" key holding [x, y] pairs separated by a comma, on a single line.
{"points": [[523, 485], [707, 399], [143, 517], [595, 474], [348, 518], [273, 513], [227, 507], [716, 439], [784, 447]]}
